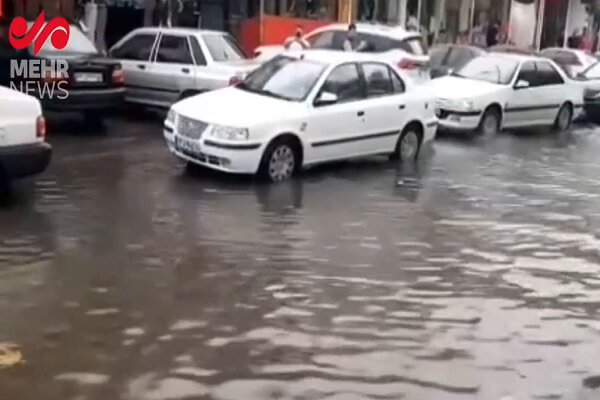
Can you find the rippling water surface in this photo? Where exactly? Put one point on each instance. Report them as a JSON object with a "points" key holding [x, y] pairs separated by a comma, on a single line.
{"points": [[473, 275]]}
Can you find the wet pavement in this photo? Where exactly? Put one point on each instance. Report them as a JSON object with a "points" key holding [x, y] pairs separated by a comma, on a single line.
{"points": [[472, 275]]}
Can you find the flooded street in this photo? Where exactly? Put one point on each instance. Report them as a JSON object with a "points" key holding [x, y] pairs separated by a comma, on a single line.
{"points": [[473, 275]]}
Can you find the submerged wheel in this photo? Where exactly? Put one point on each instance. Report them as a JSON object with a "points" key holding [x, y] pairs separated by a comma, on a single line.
{"points": [[280, 161], [409, 144], [489, 124], [564, 118]]}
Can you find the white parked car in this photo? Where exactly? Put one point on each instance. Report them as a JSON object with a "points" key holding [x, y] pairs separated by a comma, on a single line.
{"points": [[572, 61], [404, 49], [23, 150], [499, 91], [300, 109], [163, 65]]}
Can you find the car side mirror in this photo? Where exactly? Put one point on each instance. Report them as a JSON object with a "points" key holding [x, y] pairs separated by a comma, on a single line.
{"points": [[580, 75], [522, 84], [326, 98]]}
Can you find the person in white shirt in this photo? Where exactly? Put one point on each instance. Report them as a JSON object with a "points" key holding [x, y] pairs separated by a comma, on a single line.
{"points": [[297, 42]]}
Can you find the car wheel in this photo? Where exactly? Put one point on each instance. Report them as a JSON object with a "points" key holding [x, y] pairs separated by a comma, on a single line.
{"points": [[93, 118], [409, 144], [489, 124], [4, 183], [563, 118], [280, 161]]}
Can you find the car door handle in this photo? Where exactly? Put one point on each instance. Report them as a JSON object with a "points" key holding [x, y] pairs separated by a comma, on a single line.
{"points": [[141, 66], [402, 106], [185, 70], [360, 113]]}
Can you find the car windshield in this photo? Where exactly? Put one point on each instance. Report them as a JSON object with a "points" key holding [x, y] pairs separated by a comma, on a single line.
{"points": [[78, 44], [284, 78], [223, 48], [491, 69]]}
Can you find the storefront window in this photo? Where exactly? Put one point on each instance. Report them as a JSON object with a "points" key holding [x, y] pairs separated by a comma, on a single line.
{"points": [[311, 9], [373, 10]]}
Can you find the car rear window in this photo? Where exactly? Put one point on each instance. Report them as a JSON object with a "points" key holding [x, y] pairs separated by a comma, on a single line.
{"points": [[413, 45], [377, 43]]}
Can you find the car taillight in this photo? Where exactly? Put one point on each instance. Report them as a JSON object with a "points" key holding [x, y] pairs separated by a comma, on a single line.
{"points": [[234, 81], [40, 127], [406, 63], [118, 77]]}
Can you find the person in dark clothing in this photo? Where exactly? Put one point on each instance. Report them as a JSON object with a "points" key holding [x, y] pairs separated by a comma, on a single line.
{"points": [[492, 33]]}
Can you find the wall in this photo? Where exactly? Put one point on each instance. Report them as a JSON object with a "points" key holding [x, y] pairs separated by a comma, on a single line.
{"points": [[577, 16]]}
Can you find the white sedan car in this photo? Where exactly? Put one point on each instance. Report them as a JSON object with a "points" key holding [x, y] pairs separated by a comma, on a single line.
{"points": [[300, 109], [23, 149], [499, 91]]}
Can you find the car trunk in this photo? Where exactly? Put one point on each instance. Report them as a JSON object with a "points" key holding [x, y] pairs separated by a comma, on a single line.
{"points": [[88, 71]]}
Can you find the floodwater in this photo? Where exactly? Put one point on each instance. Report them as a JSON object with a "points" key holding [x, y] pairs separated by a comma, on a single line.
{"points": [[474, 274]]}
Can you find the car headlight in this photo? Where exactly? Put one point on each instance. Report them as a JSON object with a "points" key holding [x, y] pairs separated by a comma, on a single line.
{"points": [[466, 105], [229, 132], [171, 116]]}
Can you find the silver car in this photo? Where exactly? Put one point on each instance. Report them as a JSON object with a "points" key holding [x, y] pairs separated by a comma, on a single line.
{"points": [[164, 65]]}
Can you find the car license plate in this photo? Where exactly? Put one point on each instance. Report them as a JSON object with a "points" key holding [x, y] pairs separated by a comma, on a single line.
{"points": [[88, 77], [187, 146]]}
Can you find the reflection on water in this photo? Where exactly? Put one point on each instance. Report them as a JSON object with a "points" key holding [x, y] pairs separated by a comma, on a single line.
{"points": [[472, 275]]}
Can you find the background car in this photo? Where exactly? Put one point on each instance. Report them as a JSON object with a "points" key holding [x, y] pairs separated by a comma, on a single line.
{"points": [[94, 83], [163, 65], [23, 150], [498, 91], [301, 109], [590, 80], [572, 61], [445, 58], [404, 49], [508, 49]]}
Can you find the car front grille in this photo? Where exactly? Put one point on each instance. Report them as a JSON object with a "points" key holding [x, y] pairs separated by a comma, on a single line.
{"points": [[190, 128]]}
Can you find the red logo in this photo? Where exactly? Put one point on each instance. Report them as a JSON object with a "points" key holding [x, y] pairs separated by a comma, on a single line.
{"points": [[57, 30]]}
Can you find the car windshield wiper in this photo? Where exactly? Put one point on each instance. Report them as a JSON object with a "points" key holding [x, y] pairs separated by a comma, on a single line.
{"points": [[244, 86], [456, 74]]}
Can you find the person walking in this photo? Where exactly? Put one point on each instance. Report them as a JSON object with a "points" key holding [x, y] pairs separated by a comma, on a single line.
{"points": [[352, 41], [585, 41]]}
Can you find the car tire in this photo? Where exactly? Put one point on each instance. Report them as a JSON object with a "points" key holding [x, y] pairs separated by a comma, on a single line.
{"points": [[564, 118], [489, 125], [93, 118], [4, 183], [409, 144], [280, 161]]}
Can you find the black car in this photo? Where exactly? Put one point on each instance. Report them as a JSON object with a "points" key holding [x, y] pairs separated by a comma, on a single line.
{"points": [[446, 58], [77, 78], [590, 79]]}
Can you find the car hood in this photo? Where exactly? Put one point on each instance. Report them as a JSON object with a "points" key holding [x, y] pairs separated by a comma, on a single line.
{"points": [[240, 66], [14, 103], [452, 87], [235, 107]]}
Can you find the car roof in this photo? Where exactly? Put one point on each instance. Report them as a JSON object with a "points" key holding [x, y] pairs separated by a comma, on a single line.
{"points": [[391, 31], [183, 31], [518, 57], [334, 57]]}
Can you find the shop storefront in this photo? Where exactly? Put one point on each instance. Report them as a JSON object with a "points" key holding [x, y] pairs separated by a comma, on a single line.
{"points": [[273, 21]]}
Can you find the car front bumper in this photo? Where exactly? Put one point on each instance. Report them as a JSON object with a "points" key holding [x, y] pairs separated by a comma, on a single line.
{"points": [[458, 121], [86, 100], [237, 158], [24, 160]]}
